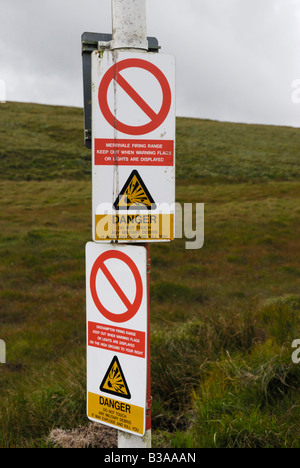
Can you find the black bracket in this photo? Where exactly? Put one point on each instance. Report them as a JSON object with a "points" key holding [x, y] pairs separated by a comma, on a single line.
{"points": [[89, 43]]}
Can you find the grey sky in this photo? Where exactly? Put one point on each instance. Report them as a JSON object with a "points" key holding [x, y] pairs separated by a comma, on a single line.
{"points": [[236, 59]]}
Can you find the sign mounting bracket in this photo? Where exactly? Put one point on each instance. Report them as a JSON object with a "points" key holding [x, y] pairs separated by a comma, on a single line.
{"points": [[90, 42]]}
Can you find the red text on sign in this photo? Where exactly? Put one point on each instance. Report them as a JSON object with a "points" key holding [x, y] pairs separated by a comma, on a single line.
{"points": [[116, 339]]}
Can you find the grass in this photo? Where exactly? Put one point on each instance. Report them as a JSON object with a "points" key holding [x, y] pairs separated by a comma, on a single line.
{"points": [[218, 151], [247, 402], [223, 318]]}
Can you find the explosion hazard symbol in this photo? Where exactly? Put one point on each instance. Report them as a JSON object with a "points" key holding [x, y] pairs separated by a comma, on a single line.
{"points": [[134, 194], [114, 381]]}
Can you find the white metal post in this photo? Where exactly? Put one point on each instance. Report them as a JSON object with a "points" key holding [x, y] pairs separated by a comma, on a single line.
{"points": [[129, 24], [129, 31]]}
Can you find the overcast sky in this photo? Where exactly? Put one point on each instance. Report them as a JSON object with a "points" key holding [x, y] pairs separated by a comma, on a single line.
{"points": [[237, 60]]}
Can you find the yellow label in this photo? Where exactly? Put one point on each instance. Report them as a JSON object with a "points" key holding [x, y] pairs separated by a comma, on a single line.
{"points": [[145, 227], [125, 416]]}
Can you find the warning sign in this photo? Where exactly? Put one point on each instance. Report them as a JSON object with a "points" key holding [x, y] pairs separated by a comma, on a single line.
{"points": [[134, 195], [114, 381], [133, 162], [117, 335]]}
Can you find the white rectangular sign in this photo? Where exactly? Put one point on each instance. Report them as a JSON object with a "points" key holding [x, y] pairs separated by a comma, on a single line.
{"points": [[117, 321], [133, 149]]}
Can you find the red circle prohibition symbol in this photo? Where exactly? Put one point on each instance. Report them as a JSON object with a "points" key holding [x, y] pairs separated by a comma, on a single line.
{"points": [[155, 119], [132, 308]]}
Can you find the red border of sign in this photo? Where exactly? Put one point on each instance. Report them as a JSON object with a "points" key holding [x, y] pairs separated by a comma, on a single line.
{"points": [[113, 74], [132, 309]]}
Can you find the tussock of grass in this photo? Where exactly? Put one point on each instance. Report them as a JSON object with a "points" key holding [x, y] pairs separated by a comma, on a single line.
{"points": [[92, 436], [187, 349], [281, 317], [237, 404]]}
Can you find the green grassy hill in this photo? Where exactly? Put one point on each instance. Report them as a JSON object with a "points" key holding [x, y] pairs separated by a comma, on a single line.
{"points": [[223, 318], [46, 143]]}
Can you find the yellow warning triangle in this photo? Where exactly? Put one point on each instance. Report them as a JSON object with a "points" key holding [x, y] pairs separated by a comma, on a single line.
{"points": [[114, 381], [134, 194]]}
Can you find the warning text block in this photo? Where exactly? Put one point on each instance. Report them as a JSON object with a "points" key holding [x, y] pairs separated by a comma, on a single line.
{"points": [[117, 339]]}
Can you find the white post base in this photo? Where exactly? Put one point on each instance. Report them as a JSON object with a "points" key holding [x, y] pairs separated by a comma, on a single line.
{"points": [[126, 440]]}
